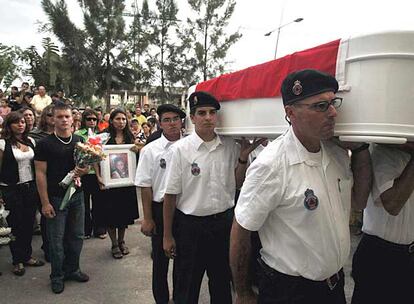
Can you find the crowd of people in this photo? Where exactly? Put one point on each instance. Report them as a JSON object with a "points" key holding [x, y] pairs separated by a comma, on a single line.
{"points": [[38, 135], [229, 208]]}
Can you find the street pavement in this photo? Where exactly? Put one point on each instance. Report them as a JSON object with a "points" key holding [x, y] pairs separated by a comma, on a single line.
{"points": [[126, 281]]}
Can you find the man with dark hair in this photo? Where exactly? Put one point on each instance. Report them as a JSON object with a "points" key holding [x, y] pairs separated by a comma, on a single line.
{"points": [[150, 177], [297, 195], [53, 161], [146, 111], [204, 172]]}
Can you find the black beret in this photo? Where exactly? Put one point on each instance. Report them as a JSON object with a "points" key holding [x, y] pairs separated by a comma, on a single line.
{"points": [[203, 99], [306, 83], [170, 108]]}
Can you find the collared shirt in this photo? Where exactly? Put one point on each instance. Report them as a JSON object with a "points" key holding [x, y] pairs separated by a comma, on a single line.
{"points": [[297, 239], [39, 102], [203, 177], [388, 164], [154, 159]]}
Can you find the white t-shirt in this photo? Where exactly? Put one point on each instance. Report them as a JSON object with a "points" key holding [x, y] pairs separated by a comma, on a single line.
{"points": [[388, 164], [23, 160], [276, 200], [154, 159], [202, 177]]}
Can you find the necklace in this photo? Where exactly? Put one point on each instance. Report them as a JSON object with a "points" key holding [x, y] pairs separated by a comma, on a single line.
{"points": [[62, 141]]}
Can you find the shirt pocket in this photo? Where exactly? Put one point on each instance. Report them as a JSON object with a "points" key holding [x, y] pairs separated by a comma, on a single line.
{"points": [[344, 187]]}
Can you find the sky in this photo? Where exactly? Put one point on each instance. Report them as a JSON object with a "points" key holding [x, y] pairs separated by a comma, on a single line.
{"points": [[323, 21]]}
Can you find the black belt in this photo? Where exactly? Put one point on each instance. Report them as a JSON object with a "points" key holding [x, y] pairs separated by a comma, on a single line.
{"points": [[390, 245], [20, 185], [203, 218], [332, 281]]}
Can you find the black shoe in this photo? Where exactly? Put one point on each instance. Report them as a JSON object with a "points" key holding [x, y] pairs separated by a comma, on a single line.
{"points": [[77, 276], [58, 286], [19, 269]]}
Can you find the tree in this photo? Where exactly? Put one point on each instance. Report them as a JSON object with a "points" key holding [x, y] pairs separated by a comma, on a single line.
{"points": [[138, 40], [105, 26], [207, 32], [45, 68], [77, 57], [9, 67], [163, 41]]}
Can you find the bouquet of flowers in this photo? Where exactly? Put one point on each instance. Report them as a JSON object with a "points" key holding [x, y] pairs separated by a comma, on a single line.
{"points": [[5, 231], [85, 154]]}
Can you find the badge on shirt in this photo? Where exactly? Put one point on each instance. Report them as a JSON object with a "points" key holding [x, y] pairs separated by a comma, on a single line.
{"points": [[163, 163], [311, 200], [195, 169]]}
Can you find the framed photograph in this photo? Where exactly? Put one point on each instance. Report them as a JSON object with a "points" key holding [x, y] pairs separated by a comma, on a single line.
{"points": [[119, 166]]}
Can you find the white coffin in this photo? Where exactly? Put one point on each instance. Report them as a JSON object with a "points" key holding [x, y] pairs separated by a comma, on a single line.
{"points": [[376, 81]]}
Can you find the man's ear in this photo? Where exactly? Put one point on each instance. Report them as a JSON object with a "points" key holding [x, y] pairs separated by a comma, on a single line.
{"points": [[289, 113]]}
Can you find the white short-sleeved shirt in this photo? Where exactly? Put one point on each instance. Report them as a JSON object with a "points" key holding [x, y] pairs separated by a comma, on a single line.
{"points": [[154, 159], [203, 175], [388, 164], [296, 240], [24, 161]]}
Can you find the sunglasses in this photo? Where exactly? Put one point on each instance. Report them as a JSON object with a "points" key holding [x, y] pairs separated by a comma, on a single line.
{"points": [[91, 119], [322, 106]]}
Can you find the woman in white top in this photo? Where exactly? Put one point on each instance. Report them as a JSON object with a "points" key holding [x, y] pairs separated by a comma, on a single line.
{"points": [[18, 188]]}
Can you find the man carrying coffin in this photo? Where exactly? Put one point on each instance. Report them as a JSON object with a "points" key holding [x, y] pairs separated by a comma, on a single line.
{"points": [[383, 264], [204, 172], [297, 195]]}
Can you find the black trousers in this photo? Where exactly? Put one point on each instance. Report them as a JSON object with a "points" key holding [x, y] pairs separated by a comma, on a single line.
{"points": [[91, 195], [21, 200], [202, 246], [159, 260], [279, 288], [383, 272]]}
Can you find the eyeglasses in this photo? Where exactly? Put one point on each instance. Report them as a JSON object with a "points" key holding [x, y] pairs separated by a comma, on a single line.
{"points": [[91, 119], [168, 120], [322, 106]]}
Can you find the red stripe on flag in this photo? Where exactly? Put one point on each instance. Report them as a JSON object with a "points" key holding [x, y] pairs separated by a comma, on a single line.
{"points": [[264, 80]]}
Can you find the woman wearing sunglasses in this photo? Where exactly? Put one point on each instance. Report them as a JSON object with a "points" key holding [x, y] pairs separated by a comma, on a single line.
{"points": [[89, 182]]}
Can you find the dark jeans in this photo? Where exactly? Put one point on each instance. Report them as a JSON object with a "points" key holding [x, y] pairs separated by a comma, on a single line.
{"points": [[91, 190], [22, 201], [383, 272], [43, 230], [65, 232], [159, 260], [279, 288], [202, 245]]}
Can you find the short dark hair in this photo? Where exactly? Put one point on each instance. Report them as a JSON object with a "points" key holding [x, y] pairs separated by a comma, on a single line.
{"points": [[61, 106]]}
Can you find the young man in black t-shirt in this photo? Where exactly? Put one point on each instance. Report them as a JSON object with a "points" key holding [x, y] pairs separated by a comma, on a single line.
{"points": [[53, 160]]}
